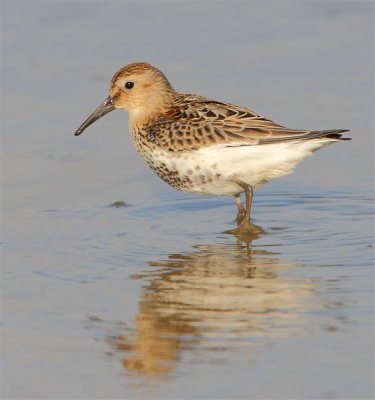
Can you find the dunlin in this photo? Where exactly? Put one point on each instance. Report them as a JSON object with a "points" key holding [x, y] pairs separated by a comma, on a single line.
{"points": [[205, 146]]}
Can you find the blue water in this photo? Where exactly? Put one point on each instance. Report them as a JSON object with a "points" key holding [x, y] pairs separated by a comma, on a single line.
{"points": [[155, 299]]}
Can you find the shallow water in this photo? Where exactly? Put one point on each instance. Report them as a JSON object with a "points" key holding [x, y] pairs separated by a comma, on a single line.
{"points": [[115, 285]]}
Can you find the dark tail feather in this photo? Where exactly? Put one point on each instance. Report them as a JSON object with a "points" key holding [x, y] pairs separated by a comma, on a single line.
{"points": [[332, 134]]}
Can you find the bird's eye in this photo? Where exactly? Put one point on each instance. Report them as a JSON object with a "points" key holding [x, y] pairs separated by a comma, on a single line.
{"points": [[129, 85]]}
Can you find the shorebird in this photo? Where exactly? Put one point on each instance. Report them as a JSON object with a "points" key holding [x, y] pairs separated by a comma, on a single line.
{"points": [[205, 146]]}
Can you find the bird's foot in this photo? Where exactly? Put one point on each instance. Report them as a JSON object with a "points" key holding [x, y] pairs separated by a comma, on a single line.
{"points": [[247, 231], [247, 228], [240, 217]]}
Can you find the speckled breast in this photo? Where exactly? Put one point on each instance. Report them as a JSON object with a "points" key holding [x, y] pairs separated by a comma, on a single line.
{"points": [[163, 162]]}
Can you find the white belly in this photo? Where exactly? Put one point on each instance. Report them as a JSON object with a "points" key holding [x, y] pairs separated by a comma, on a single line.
{"points": [[215, 170]]}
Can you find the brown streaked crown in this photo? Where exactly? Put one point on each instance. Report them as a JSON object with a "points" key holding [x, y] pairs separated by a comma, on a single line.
{"points": [[137, 68]]}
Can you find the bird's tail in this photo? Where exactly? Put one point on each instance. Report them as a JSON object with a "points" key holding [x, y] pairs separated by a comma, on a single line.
{"points": [[329, 134]]}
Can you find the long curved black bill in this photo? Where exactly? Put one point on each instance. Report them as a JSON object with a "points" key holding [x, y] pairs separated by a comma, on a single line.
{"points": [[104, 108]]}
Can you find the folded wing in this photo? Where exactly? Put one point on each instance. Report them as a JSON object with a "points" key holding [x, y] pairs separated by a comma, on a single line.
{"points": [[195, 122]]}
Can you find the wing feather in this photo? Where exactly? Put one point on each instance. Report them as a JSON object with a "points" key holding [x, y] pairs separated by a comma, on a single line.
{"points": [[194, 122]]}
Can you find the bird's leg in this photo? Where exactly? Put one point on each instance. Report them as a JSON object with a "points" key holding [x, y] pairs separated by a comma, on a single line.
{"points": [[241, 210], [249, 198]]}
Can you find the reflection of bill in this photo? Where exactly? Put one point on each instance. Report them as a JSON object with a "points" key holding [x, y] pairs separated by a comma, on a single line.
{"points": [[216, 297]]}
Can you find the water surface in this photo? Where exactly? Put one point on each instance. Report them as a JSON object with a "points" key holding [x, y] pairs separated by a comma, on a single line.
{"points": [[115, 285]]}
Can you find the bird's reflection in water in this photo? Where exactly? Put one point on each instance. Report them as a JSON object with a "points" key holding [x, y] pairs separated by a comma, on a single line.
{"points": [[213, 298]]}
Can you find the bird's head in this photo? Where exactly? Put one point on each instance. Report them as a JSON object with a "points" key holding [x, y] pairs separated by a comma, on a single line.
{"points": [[140, 89]]}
